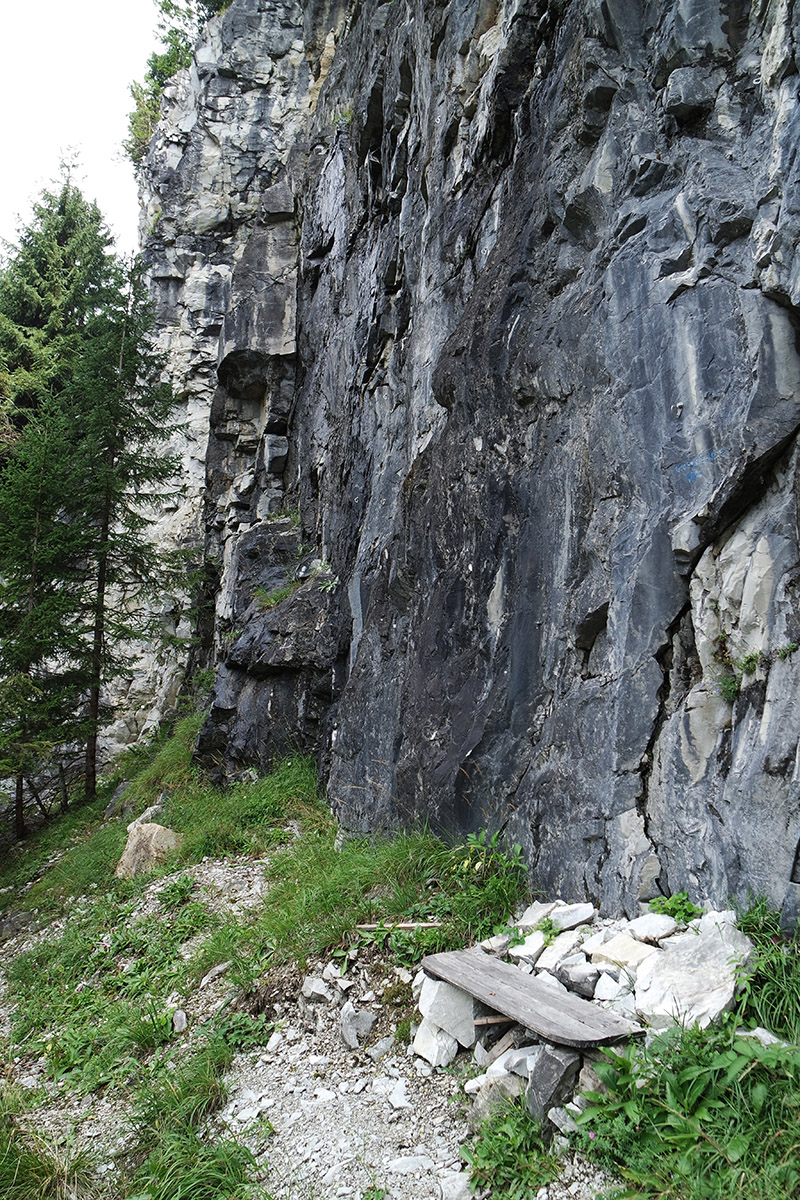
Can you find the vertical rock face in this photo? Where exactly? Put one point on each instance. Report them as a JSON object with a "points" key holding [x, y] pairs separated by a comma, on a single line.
{"points": [[503, 298]]}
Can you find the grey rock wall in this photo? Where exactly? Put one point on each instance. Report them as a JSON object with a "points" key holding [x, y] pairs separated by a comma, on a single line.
{"points": [[503, 298]]}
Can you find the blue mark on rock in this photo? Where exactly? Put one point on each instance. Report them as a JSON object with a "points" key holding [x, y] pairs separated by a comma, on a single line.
{"points": [[690, 470]]}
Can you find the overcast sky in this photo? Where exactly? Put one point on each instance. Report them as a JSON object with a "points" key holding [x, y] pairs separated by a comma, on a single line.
{"points": [[67, 66]]}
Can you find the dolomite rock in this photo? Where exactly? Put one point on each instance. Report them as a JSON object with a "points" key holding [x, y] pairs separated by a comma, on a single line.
{"points": [[652, 927], [564, 945], [355, 1024], [450, 1009], [693, 979], [526, 321], [553, 1072], [530, 949], [623, 951], [435, 1045], [148, 845], [573, 915]]}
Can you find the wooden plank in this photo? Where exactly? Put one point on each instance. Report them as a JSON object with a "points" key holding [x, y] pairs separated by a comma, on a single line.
{"points": [[565, 1019], [505, 1043]]}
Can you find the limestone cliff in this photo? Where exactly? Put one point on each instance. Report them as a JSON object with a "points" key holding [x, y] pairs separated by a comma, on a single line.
{"points": [[503, 299]]}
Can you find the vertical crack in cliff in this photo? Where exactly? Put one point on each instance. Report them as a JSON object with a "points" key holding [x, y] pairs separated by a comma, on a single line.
{"points": [[665, 658]]}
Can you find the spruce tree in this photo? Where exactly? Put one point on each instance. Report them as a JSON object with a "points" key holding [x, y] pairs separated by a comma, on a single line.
{"points": [[80, 473], [123, 412], [42, 587], [53, 282]]}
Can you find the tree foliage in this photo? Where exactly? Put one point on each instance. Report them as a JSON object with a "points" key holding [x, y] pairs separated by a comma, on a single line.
{"points": [[86, 410]]}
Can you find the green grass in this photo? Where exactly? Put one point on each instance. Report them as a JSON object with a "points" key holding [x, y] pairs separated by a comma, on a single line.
{"points": [[771, 991], [93, 1000], [508, 1160], [699, 1115], [32, 1168], [318, 894]]}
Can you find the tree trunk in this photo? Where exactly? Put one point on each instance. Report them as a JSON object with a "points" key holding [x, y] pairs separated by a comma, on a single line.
{"points": [[98, 640], [62, 780], [19, 810], [43, 809]]}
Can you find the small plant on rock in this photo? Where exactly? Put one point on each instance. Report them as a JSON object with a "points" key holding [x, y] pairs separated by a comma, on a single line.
{"points": [[677, 906]]}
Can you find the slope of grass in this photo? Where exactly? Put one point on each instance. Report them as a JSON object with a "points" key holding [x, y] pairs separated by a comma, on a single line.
{"points": [[95, 1000]]}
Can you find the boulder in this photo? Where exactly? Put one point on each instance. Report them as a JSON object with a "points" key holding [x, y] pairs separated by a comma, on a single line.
{"points": [[148, 845], [693, 979]]}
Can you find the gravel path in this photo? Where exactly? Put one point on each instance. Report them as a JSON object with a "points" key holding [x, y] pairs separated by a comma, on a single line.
{"points": [[324, 1121]]}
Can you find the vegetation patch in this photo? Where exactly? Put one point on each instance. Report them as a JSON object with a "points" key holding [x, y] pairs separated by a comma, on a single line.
{"points": [[508, 1159]]}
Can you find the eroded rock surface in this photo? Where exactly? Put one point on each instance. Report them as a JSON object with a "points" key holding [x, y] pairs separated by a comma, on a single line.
{"points": [[504, 299]]}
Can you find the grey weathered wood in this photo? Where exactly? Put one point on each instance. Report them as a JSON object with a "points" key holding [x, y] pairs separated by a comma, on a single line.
{"points": [[565, 1019]]}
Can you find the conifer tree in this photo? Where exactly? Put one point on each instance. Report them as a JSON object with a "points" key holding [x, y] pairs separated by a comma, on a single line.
{"points": [[123, 413], [80, 473], [56, 278]]}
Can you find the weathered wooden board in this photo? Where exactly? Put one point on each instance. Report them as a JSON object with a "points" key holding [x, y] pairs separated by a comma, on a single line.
{"points": [[565, 1019]]}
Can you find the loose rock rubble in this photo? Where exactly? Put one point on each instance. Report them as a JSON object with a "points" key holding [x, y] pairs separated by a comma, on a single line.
{"points": [[650, 970], [336, 1104]]}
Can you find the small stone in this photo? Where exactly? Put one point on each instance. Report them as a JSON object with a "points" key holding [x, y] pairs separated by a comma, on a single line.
{"points": [[562, 1120], [473, 1086], [410, 1164], [497, 944], [596, 941], [565, 944], [274, 1042], [480, 1054], [573, 915], [332, 972], [355, 1025], [397, 1097], [535, 913], [315, 990], [214, 973], [450, 1009], [553, 1072], [493, 1093], [324, 1095], [531, 948], [652, 927], [579, 975], [381, 1048], [624, 951], [180, 1022], [455, 1186]]}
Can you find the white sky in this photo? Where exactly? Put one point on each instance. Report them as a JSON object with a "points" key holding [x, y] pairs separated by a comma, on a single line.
{"points": [[65, 70]]}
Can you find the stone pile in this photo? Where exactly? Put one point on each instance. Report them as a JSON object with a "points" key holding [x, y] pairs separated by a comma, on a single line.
{"points": [[652, 970]]}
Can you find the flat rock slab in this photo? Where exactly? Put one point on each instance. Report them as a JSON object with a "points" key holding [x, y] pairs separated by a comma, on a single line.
{"points": [[564, 1019]]}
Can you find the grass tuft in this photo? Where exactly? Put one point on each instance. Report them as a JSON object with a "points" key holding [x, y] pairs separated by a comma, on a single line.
{"points": [[508, 1159], [33, 1168]]}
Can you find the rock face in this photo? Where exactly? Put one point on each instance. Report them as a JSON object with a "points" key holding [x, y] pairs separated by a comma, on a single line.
{"points": [[502, 298]]}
